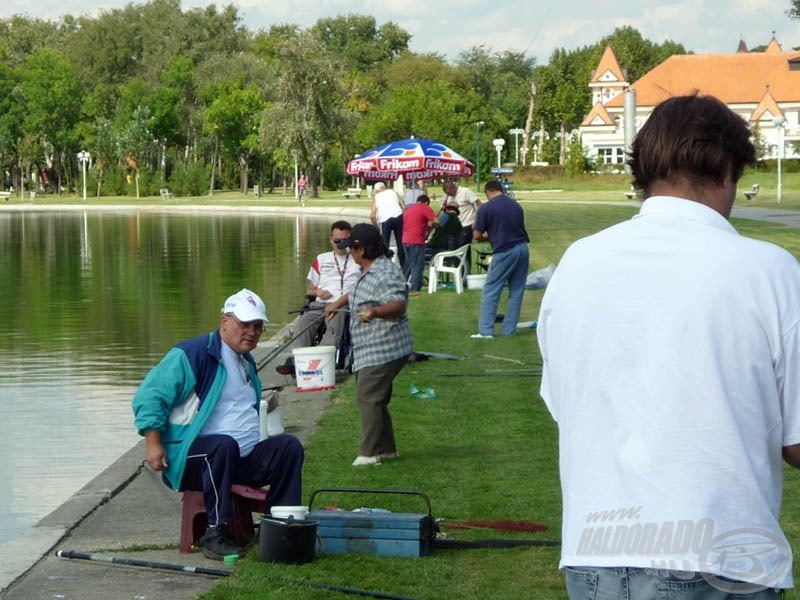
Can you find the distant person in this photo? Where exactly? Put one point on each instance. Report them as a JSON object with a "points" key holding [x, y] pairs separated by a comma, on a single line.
{"points": [[417, 220], [447, 236], [467, 203], [671, 348], [502, 222], [382, 340], [416, 190], [331, 277], [387, 215], [301, 186], [198, 412]]}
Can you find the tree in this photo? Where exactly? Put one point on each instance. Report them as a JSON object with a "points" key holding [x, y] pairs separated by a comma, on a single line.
{"points": [[136, 142], [234, 118], [359, 42], [51, 94], [309, 114]]}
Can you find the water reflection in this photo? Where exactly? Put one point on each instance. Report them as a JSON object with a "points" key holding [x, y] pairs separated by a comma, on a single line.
{"points": [[91, 301]]}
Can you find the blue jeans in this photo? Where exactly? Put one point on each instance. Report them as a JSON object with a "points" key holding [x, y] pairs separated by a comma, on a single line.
{"points": [[509, 266], [414, 265], [626, 583]]}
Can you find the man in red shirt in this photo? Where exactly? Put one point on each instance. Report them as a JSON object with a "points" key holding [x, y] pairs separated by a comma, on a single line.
{"points": [[417, 219]]}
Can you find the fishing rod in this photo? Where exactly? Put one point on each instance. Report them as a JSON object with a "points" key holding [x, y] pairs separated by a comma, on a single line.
{"points": [[132, 562], [493, 372], [272, 355]]}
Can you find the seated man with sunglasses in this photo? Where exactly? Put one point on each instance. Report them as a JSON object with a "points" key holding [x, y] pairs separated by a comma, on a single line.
{"points": [[332, 275], [198, 412]]}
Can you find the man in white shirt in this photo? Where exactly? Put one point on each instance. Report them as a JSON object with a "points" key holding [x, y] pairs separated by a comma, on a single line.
{"points": [[387, 215], [331, 276], [671, 348], [467, 203]]}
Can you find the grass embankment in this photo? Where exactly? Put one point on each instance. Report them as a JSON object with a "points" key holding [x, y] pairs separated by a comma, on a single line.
{"points": [[484, 449], [527, 186]]}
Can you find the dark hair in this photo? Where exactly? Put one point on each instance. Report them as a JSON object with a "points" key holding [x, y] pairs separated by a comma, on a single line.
{"points": [[423, 198], [375, 247], [696, 137], [493, 186], [341, 225]]}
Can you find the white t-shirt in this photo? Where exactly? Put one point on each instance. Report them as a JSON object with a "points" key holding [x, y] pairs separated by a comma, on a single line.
{"points": [[235, 414], [467, 203], [671, 350], [387, 205], [335, 273]]}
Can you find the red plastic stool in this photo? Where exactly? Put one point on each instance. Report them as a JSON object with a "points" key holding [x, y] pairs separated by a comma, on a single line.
{"points": [[246, 501]]}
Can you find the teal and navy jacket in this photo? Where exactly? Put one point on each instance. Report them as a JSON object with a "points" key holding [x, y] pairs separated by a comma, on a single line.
{"points": [[179, 394]]}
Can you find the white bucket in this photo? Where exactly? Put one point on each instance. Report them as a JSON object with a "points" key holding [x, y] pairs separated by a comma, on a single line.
{"points": [[284, 512], [476, 282], [315, 367]]}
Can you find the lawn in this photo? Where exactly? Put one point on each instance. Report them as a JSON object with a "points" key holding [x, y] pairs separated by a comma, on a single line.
{"points": [[484, 449]]}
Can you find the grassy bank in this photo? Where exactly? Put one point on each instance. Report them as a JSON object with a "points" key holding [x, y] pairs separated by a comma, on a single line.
{"points": [[484, 449], [583, 188]]}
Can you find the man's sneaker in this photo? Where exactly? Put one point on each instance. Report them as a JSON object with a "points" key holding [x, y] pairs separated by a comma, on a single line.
{"points": [[287, 368], [362, 461], [480, 336], [218, 543], [389, 455]]}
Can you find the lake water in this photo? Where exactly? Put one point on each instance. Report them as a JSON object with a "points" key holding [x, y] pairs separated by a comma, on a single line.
{"points": [[90, 302]]}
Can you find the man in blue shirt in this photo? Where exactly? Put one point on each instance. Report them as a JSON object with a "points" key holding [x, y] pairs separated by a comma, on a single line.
{"points": [[502, 222]]}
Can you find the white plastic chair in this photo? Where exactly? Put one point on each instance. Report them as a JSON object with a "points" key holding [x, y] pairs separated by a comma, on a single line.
{"points": [[458, 271]]}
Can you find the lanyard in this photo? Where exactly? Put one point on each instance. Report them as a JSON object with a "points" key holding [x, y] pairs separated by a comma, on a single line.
{"points": [[341, 271]]}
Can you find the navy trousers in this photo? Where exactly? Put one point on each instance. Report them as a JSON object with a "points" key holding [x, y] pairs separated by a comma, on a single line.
{"points": [[214, 465]]}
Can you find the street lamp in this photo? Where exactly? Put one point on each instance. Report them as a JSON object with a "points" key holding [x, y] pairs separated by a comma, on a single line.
{"points": [[516, 132], [478, 126], [779, 122], [84, 157], [498, 145]]}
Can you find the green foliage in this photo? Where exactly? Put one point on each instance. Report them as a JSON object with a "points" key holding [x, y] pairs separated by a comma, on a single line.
{"points": [[576, 157], [333, 174], [191, 179], [358, 40]]}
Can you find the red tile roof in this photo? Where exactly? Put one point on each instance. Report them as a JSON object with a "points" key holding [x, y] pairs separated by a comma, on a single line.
{"points": [[739, 78]]}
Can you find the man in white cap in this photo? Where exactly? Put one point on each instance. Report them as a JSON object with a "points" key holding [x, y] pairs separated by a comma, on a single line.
{"points": [[198, 412]]}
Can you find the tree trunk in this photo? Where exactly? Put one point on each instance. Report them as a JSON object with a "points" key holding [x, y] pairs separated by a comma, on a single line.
{"points": [[243, 173], [528, 124], [213, 167]]}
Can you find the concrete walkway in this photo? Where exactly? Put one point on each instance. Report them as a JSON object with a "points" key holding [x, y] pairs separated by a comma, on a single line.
{"points": [[789, 218], [127, 512]]}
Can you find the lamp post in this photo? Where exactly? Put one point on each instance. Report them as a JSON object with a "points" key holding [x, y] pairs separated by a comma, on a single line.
{"points": [[478, 126], [516, 132], [83, 157], [498, 145], [779, 122]]}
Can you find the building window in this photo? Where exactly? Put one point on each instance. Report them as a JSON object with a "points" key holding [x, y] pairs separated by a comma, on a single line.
{"points": [[611, 155]]}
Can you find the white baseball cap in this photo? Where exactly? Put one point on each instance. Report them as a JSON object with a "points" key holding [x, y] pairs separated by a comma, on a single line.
{"points": [[246, 306]]}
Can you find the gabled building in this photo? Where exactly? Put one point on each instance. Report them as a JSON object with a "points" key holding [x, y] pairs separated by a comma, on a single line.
{"points": [[763, 87]]}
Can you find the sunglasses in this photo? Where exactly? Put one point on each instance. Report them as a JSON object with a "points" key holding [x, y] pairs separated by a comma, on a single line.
{"points": [[338, 240]]}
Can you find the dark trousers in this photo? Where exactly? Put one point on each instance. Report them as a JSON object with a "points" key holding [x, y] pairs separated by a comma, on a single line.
{"points": [[395, 224], [214, 465]]}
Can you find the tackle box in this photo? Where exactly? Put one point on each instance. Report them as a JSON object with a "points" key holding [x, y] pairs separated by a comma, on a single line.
{"points": [[373, 531]]}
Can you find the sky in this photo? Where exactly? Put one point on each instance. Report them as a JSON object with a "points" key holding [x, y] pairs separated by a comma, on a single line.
{"points": [[533, 27]]}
